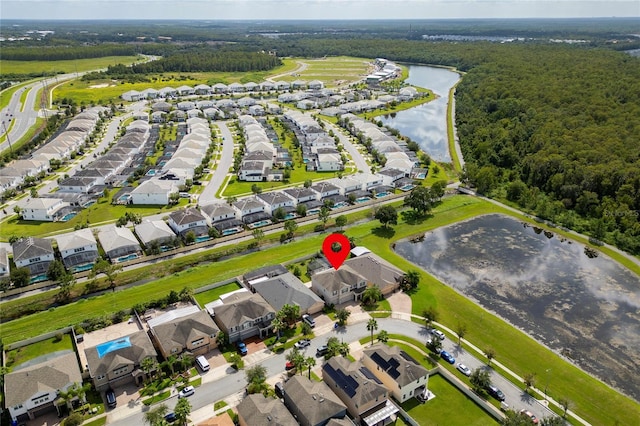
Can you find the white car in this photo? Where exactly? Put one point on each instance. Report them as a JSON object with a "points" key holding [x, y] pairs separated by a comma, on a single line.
{"points": [[463, 369], [438, 333], [187, 391], [302, 343]]}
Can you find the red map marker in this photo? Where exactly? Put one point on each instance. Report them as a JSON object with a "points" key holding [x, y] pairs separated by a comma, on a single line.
{"points": [[336, 258]]}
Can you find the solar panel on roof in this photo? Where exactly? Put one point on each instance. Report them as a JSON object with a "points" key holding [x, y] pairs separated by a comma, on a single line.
{"points": [[344, 382], [369, 375], [408, 357]]}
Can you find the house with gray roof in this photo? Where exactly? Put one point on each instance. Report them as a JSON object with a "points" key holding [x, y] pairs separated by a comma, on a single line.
{"points": [[183, 330], [217, 212], [154, 232], [117, 362], [32, 388], [312, 403], [79, 249], [42, 209], [33, 253], [256, 409], [203, 89], [366, 398], [302, 194], [161, 106], [153, 192], [287, 289], [275, 200], [242, 314], [236, 88], [77, 184], [220, 88], [119, 244], [189, 219], [326, 189], [397, 370], [354, 276], [249, 205]]}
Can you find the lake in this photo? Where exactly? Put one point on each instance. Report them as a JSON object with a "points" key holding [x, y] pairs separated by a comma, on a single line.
{"points": [[587, 309], [426, 124]]}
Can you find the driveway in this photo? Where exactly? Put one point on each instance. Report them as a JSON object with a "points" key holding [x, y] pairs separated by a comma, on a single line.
{"points": [[401, 304]]}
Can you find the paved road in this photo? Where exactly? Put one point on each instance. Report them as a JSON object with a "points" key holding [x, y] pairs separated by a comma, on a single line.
{"points": [[208, 195], [235, 382], [356, 156]]}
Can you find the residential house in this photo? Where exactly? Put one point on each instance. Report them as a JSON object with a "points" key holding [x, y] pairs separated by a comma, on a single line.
{"points": [[246, 101], [256, 110], [300, 195], [315, 85], [252, 171], [118, 362], [288, 289], [77, 184], [299, 85], [390, 176], [202, 89], [152, 232], [119, 244], [354, 276], [242, 314], [236, 88], [256, 409], [329, 162], [149, 94], [158, 117], [397, 370], [167, 92], [220, 88], [217, 212], [185, 90], [251, 86], [267, 86], [32, 389], [325, 189], [186, 105], [282, 86], [153, 192], [131, 96], [275, 200], [79, 249], [42, 209], [33, 253], [312, 403], [365, 396], [161, 106], [186, 329], [249, 205], [189, 219]]}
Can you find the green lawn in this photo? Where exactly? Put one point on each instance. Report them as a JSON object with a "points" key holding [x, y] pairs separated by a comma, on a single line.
{"points": [[215, 293], [6, 94], [34, 350], [63, 67], [332, 70], [450, 407], [593, 400]]}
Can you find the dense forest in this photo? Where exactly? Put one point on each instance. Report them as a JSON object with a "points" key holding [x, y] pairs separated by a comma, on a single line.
{"points": [[61, 53]]}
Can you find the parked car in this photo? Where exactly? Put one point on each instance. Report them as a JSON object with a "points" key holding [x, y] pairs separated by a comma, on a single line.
{"points": [[289, 365], [529, 414], [279, 390], [110, 396], [322, 350], [447, 357], [187, 391], [171, 417], [438, 333], [242, 348], [309, 320], [463, 369], [495, 392], [302, 343]]}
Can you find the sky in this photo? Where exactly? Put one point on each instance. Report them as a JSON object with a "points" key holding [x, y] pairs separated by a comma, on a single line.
{"points": [[314, 9]]}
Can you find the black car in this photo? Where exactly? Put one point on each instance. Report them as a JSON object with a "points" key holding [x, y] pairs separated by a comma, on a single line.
{"points": [[110, 396], [279, 390], [171, 417], [496, 393]]}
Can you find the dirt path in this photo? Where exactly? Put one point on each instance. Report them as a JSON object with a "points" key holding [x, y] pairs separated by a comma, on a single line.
{"points": [[302, 66]]}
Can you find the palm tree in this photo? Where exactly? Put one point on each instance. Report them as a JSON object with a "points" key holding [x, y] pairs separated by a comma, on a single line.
{"points": [[310, 362], [383, 336], [410, 280], [461, 330], [278, 325], [147, 365], [182, 410], [490, 353], [371, 295], [171, 361], [342, 315], [372, 325], [430, 315], [529, 380]]}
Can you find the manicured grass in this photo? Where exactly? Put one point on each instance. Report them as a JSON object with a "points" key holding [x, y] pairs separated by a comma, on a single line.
{"points": [[215, 293], [15, 145], [449, 407], [64, 67], [298, 176], [6, 94], [97, 422], [218, 405], [332, 70], [34, 350], [157, 398]]}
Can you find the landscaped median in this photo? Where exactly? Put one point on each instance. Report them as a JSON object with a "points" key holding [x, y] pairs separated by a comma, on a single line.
{"points": [[592, 399]]}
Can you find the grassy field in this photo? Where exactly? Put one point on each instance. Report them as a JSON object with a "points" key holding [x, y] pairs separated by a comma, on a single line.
{"points": [[6, 94], [332, 71], [593, 400], [64, 67], [26, 353], [449, 407], [213, 294]]}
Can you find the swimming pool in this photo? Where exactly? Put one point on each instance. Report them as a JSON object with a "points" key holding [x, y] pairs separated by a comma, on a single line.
{"points": [[290, 216], [89, 204], [259, 224], [313, 211], [382, 194], [83, 268], [113, 345], [129, 257], [230, 231], [408, 187], [340, 205], [202, 238], [124, 198], [68, 216], [421, 175], [151, 172], [38, 278], [362, 199]]}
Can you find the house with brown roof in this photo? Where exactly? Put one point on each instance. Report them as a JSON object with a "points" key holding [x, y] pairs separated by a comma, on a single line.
{"points": [[32, 390], [258, 410], [397, 370], [117, 362], [366, 398], [312, 403], [242, 314], [186, 329], [356, 274]]}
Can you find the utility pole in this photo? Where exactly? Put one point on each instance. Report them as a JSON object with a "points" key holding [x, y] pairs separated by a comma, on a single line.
{"points": [[4, 126]]}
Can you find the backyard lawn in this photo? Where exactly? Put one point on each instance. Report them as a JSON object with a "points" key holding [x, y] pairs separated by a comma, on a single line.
{"points": [[214, 294], [450, 407], [34, 350]]}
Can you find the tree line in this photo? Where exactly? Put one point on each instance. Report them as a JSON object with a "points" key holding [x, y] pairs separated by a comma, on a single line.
{"points": [[61, 53]]}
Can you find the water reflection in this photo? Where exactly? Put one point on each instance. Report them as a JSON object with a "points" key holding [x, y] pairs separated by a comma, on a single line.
{"points": [[585, 308], [427, 124]]}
